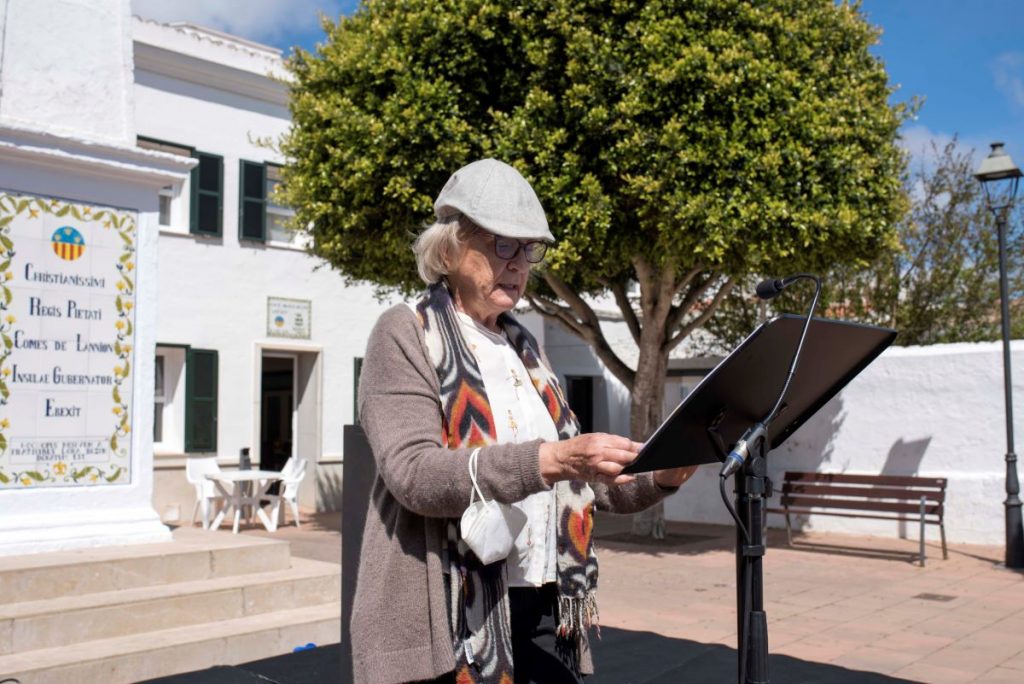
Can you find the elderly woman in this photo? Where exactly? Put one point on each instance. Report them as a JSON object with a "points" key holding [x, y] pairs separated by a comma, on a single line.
{"points": [[455, 374]]}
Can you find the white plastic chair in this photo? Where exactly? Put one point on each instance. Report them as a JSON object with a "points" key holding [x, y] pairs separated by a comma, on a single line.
{"points": [[206, 491], [293, 472]]}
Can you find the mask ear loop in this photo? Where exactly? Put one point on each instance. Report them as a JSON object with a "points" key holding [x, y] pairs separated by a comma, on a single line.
{"points": [[473, 457]]}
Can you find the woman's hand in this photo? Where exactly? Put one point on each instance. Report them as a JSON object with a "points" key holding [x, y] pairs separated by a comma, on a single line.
{"points": [[673, 477], [594, 457]]}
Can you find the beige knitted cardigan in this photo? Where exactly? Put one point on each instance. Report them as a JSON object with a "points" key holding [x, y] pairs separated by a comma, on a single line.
{"points": [[399, 628]]}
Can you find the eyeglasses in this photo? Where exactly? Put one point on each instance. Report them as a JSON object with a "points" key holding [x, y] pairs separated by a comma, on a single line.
{"points": [[508, 248]]}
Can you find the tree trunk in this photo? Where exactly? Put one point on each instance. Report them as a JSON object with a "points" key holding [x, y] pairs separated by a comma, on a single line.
{"points": [[658, 327], [645, 415]]}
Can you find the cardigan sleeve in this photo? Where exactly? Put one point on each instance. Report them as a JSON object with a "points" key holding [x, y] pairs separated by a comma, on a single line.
{"points": [[401, 413], [643, 492]]}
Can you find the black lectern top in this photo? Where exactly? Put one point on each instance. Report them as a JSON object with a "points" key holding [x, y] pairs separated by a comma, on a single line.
{"points": [[741, 390]]}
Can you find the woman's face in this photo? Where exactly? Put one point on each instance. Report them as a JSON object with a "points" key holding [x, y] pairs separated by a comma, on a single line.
{"points": [[484, 284]]}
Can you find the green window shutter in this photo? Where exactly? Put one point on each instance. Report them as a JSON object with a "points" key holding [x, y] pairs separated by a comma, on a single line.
{"points": [[206, 214], [252, 201], [200, 400], [357, 369]]}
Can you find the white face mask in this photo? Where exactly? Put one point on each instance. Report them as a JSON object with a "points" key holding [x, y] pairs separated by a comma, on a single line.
{"points": [[489, 528]]}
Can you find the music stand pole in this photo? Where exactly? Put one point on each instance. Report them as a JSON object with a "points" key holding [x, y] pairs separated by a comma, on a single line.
{"points": [[752, 488]]}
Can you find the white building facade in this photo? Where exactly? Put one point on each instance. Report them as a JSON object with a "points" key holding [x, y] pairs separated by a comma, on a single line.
{"points": [[257, 342]]}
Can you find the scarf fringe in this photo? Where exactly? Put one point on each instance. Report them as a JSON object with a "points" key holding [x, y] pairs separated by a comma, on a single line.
{"points": [[577, 615]]}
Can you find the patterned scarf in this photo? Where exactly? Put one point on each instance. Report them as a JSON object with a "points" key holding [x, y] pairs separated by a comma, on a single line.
{"points": [[481, 631]]}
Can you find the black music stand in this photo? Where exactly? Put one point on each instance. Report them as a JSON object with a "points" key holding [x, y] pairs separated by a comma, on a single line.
{"points": [[733, 397]]}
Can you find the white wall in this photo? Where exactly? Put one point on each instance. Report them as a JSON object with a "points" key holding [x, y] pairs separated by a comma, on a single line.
{"points": [[66, 68], [932, 411]]}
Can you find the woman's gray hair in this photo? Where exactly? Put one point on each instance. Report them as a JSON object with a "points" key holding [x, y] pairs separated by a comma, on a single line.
{"points": [[441, 241]]}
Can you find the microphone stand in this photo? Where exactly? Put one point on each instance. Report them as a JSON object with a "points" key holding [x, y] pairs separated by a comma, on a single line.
{"points": [[748, 459]]}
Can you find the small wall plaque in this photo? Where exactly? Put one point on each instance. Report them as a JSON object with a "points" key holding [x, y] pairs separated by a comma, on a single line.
{"points": [[289, 318]]}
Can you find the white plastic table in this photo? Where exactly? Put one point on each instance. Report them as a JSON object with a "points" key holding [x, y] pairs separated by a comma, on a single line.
{"points": [[241, 495]]}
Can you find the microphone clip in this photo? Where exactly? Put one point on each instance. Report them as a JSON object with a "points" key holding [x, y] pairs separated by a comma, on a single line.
{"points": [[742, 449]]}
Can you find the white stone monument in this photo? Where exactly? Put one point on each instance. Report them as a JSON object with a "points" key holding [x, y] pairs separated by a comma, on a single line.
{"points": [[78, 235]]}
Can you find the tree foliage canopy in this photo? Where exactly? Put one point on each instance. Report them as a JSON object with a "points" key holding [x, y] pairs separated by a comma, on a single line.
{"points": [[939, 284], [680, 144], [695, 137]]}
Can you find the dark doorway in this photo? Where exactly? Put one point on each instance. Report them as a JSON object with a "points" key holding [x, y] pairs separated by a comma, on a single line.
{"points": [[277, 411], [580, 390]]}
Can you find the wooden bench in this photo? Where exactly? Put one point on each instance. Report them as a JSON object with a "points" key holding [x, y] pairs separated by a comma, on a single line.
{"points": [[883, 497]]}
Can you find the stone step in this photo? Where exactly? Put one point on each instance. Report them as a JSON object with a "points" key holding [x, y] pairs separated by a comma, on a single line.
{"points": [[32, 625], [147, 655], [194, 555]]}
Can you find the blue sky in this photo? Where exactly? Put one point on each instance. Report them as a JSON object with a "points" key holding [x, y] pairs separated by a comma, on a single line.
{"points": [[964, 58]]}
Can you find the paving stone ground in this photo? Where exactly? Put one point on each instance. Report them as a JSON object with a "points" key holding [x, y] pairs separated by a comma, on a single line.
{"points": [[855, 604]]}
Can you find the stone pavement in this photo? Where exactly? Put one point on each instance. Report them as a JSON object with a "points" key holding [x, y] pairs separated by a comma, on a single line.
{"points": [[854, 602], [856, 605]]}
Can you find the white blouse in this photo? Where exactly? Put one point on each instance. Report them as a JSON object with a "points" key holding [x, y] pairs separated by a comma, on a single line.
{"points": [[519, 416]]}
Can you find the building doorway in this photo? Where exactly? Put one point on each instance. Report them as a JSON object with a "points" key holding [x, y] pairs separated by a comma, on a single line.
{"points": [[277, 409], [580, 391]]}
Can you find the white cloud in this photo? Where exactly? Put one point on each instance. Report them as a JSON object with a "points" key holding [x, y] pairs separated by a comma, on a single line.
{"points": [[1008, 69], [264, 21], [925, 145], [921, 143]]}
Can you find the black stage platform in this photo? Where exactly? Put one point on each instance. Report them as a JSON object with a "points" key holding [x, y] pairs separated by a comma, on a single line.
{"points": [[620, 657]]}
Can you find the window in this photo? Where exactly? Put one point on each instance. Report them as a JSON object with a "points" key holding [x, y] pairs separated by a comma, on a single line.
{"points": [[207, 195], [259, 217], [169, 398], [168, 192], [200, 400], [166, 197], [278, 215], [159, 400]]}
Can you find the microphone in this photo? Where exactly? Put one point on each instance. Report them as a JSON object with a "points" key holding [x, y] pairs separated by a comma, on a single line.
{"points": [[770, 288]]}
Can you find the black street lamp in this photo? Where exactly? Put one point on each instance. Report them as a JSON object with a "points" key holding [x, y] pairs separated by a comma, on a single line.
{"points": [[1000, 178]]}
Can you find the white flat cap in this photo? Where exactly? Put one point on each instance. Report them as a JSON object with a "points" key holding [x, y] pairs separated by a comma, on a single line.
{"points": [[494, 196]]}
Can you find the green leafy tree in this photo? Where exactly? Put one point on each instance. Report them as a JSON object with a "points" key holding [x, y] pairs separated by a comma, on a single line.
{"points": [[940, 283], [677, 144]]}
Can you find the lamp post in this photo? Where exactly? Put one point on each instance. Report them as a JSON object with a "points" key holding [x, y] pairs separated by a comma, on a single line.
{"points": [[1000, 178]]}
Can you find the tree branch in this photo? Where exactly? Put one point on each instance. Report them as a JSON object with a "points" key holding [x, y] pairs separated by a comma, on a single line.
{"points": [[666, 293], [687, 279], [693, 294], [700, 320], [556, 312], [628, 314], [644, 276], [581, 320]]}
